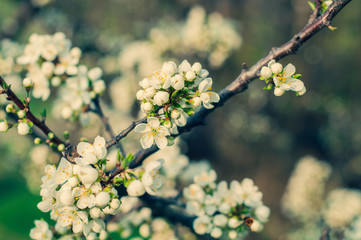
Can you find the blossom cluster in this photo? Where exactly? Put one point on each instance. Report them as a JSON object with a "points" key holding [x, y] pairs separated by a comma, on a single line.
{"points": [[282, 79], [74, 195], [223, 211], [50, 60], [23, 125], [169, 96]]}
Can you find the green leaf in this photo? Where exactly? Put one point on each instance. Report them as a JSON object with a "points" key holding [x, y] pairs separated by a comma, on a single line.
{"points": [[332, 28], [297, 75], [312, 5], [43, 113]]}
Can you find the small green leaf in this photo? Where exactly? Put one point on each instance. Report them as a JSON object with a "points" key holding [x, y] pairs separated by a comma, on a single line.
{"points": [[43, 113], [297, 75], [312, 5], [332, 28]]}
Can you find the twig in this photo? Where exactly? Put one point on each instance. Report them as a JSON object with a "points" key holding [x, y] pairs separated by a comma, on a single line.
{"points": [[240, 84], [316, 12], [29, 115], [125, 132], [98, 110]]}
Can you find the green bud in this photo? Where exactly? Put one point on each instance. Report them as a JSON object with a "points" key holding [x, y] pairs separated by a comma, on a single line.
{"points": [[61, 147], [170, 141], [37, 141], [66, 135], [50, 135]]}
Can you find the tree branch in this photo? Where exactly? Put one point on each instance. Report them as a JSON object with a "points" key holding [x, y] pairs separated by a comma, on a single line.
{"points": [[98, 110], [325, 234], [11, 96], [240, 84]]}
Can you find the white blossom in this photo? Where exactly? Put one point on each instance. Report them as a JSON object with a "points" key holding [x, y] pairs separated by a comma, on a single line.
{"points": [[153, 131], [23, 128]]}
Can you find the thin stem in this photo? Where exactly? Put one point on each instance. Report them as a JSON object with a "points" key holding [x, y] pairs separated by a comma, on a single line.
{"points": [[11, 96], [98, 110]]}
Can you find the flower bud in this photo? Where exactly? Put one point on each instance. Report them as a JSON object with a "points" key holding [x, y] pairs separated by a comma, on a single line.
{"points": [[21, 114], [51, 135], [37, 141], [167, 124], [169, 68], [278, 92], [146, 107], [56, 81], [140, 95], [161, 98], [27, 82], [145, 83], [303, 91], [95, 212], [23, 128], [4, 126], [136, 188], [9, 108], [115, 203], [66, 198], [99, 86], [150, 92], [190, 75], [197, 67], [102, 199], [216, 232], [175, 114], [196, 102], [177, 82], [276, 68], [61, 147], [95, 73], [266, 72]]}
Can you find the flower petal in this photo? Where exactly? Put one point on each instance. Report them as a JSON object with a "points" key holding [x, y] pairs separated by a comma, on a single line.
{"points": [[205, 85], [296, 84], [271, 62], [142, 128], [290, 69], [207, 105], [214, 97], [153, 122], [276, 81], [163, 131], [147, 140], [83, 148], [99, 141], [161, 141], [78, 225]]}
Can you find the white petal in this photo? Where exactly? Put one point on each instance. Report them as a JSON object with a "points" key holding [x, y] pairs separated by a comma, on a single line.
{"points": [[83, 148], [214, 97], [271, 62], [205, 85], [78, 225], [182, 120], [296, 84], [276, 81], [163, 131], [207, 105], [147, 140], [290, 69], [64, 171], [81, 161], [285, 87], [142, 128], [99, 141], [153, 122], [161, 141]]}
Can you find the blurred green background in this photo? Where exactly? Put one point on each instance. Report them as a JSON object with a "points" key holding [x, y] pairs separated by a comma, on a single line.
{"points": [[255, 134]]}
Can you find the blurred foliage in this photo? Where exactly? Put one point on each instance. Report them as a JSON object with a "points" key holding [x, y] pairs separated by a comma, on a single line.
{"points": [[256, 134]]}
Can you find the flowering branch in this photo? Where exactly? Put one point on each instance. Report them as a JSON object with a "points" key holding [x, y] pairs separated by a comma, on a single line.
{"points": [[98, 110], [240, 84], [11, 96]]}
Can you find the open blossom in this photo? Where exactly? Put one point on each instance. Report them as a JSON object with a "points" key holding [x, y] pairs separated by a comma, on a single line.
{"points": [[286, 82], [151, 178], [153, 131], [41, 231], [135, 188], [207, 96], [91, 153]]}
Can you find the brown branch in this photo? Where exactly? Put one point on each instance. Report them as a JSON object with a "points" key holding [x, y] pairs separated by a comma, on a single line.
{"points": [[125, 132], [240, 84], [316, 12], [98, 110], [11, 96]]}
